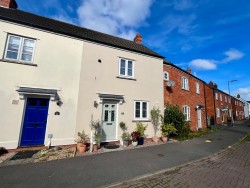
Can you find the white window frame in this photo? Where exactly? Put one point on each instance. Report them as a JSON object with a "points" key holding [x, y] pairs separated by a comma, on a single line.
{"points": [[197, 88], [20, 50], [229, 100], [186, 112], [216, 96], [217, 112], [225, 98], [141, 110], [220, 97], [126, 68], [166, 73], [184, 83]]}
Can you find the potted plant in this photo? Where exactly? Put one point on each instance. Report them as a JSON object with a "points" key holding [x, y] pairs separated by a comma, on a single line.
{"points": [[155, 118], [166, 130], [97, 141], [126, 139], [124, 128], [135, 136], [141, 129], [81, 141]]}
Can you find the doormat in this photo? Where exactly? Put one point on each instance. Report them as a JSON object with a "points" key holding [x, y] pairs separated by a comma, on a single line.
{"points": [[24, 154], [113, 146]]}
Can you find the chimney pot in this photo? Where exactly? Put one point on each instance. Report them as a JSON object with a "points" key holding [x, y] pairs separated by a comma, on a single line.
{"points": [[189, 70], [138, 38], [8, 4]]}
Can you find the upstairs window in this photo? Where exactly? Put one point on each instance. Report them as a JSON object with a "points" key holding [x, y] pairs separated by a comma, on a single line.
{"points": [[165, 76], [19, 49], [216, 96], [186, 112], [197, 88], [141, 109], [126, 68], [220, 97], [218, 112], [225, 98], [229, 100], [184, 83]]}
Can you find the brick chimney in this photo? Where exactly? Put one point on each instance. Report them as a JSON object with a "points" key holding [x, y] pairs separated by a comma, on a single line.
{"points": [[8, 4], [189, 71], [238, 96], [213, 85], [138, 38]]}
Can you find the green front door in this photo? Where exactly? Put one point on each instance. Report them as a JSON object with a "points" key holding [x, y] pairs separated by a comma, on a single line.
{"points": [[109, 122]]}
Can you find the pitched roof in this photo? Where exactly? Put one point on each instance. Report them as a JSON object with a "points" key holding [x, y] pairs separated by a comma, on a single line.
{"points": [[44, 23]]}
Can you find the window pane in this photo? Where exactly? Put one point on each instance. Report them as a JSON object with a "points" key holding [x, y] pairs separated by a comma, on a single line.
{"points": [[11, 55], [130, 68], [29, 43], [26, 57], [144, 109], [122, 67], [27, 50], [137, 109], [106, 115], [14, 40], [43, 102], [112, 115], [13, 47], [32, 102]]}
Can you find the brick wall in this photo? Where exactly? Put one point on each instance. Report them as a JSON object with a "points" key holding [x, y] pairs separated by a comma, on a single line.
{"points": [[238, 106], [178, 96], [209, 97]]}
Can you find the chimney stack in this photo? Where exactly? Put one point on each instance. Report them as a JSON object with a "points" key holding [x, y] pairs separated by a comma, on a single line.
{"points": [[189, 71], [8, 4], [238, 96], [138, 38], [213, 85]]}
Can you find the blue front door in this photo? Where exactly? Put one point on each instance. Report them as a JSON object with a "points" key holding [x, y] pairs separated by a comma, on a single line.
{"points": [[35, 120]]}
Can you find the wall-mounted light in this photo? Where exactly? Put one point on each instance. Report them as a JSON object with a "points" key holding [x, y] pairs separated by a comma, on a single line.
{"points": [[95, 104], [59, 103]]}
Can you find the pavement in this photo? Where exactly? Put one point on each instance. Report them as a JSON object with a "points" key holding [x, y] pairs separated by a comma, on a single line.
{"points": [[114, 168]]}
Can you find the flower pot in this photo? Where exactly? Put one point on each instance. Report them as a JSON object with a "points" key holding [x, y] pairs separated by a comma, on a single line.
{"points": [[155, 139], [134, 143], [125, 143], [79, 144], [141, 141], [95, 147], [82, 148], [164, 138]]}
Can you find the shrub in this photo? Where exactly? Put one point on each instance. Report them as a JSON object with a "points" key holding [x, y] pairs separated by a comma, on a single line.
{"points": [[141, 128], [155, 118], [173, 114], [168, 129]]}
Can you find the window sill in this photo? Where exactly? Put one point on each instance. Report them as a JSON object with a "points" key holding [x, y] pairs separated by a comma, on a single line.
{"points": [[127, 78], [141, 120], [185, 89], [18, 62]]}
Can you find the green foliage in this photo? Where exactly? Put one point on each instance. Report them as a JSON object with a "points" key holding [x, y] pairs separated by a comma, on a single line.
{"points": [[82, 137], [155, 118], [196, 134], [167, 129], [125, 136], [141, 128], [97, 137], [173, 114], [123, 126]]}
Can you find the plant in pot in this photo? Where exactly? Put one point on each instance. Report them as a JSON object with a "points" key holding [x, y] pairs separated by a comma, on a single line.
{"points": [[126, 139], [97, 141], [81, 141], [141, 129], [166, 130], [135, 136], [124, 128], [155, 118]]}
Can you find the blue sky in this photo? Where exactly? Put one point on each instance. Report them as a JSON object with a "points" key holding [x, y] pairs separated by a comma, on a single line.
{"points": [[210, 37]]}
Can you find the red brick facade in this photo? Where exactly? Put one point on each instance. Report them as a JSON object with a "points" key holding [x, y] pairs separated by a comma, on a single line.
{"points": [[238, 109], [8, 4], [181, 97]]}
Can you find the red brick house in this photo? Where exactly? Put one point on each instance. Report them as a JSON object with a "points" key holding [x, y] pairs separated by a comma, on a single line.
{"points": [[238, 109], [187, 91]]}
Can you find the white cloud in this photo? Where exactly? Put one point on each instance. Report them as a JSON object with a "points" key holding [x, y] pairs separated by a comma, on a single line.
{"points": [[203, 64], [120, 18], [232, 54], [244, 93]]}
